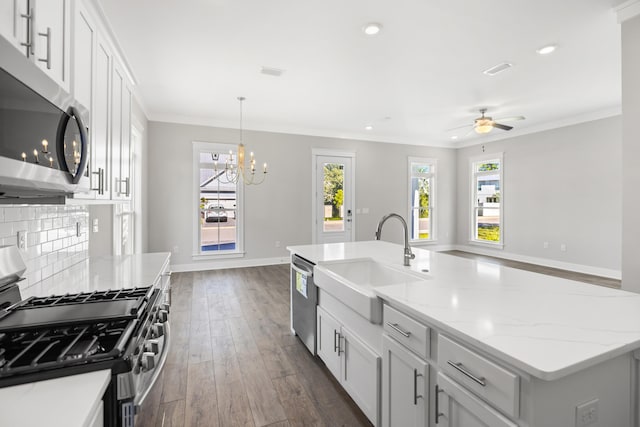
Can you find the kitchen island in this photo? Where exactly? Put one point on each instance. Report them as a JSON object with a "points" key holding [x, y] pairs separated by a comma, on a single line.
{"points": [[484, 344]]}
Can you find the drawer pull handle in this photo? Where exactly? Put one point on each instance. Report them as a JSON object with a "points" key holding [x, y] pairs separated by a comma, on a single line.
{"points": [[399, 330], [415, 386], [460, 367], [438, 414]]}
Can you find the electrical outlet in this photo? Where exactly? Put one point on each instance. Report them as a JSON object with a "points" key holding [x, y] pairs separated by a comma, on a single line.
{"points": [[365, 211], [587, 413], [277, 243], [563, 247], [176, 249], [545, 245], [96, 225], [22, 239]]}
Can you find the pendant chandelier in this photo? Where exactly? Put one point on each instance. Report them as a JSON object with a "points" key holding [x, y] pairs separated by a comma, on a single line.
{"points": [[232, 174]]}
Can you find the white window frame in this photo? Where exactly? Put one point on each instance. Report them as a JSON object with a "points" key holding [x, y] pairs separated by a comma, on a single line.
{"points": [[474, 198], [432, 176], [199, 147]]}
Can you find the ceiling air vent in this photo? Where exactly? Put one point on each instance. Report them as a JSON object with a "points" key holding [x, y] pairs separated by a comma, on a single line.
{"points": [[497, 69], [269, 71]]}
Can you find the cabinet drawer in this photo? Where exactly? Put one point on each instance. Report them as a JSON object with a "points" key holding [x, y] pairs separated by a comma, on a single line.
{"points": [[407, 331], [486, 379]]}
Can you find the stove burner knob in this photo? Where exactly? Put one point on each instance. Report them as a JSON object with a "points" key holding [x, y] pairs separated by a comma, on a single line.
{"points": [[164, 307], [162, 316], [158, 330], [147, 361], [152, 346]]}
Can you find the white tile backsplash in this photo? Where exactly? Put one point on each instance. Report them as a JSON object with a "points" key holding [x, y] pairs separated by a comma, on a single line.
{"points": [[52, 243]]}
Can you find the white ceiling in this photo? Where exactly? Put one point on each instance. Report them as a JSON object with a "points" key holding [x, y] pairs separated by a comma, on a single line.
{"points": [[419, 77]]}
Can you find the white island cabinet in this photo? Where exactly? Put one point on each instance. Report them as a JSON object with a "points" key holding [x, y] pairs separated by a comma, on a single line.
{"points": [[472, 344]]}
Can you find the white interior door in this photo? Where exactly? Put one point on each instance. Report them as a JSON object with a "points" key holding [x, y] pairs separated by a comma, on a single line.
{"points": [[333, 198]]}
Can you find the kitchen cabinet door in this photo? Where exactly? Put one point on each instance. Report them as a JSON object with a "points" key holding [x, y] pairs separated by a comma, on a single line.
{"points": [[405, 386], [84, 45], [125, 145], [117, 86], [51, 39], [457, 407], [13, 26], [329, 341], [361, 374], [100, 121], [120, 135]]}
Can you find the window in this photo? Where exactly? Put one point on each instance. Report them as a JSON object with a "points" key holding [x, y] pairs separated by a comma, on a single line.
{"points": [[487, 200], [422, 174], [218, 202]]}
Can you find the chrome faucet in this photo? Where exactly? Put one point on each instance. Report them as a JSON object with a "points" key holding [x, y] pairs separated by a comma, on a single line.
{"points": [[408, 255]]}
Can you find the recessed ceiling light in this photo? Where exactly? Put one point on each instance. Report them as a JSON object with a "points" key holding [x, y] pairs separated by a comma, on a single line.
{"points": [[368, 127], [372, 28], [454, 137], [545, 50]]}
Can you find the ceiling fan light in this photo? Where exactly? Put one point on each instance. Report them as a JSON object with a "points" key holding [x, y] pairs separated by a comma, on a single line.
{"points": [[483, 126]]}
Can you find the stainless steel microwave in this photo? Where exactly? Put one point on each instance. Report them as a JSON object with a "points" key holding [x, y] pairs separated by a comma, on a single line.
{"points": [[44, 145]]}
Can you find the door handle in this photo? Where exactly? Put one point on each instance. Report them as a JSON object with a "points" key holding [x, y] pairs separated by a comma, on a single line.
{"points": [[47, 60], [415, 386]]}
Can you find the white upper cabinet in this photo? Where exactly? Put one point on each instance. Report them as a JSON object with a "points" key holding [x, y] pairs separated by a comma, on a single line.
{"points": [[120, 134], [40, 29], [84, 46], [13, 23], [50, 37]]}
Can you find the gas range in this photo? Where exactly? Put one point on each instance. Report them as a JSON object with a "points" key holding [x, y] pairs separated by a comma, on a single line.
{"points": [[123, 330]]}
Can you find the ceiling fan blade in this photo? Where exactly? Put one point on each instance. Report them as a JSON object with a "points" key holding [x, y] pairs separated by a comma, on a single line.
{"points": [[510, 119], [460, 127], [503, 127]]}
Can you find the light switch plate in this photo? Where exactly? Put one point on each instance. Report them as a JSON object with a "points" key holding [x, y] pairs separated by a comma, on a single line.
{"points": [[22, 239], [587, 413]]}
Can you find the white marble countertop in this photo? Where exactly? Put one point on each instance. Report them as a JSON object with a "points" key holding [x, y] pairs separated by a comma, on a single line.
{"points": [[62, 402], [545, 326]]}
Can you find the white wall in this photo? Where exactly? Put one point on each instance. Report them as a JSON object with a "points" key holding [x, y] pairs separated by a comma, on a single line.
{"points": [[631, 153], [560, 186], [280, 208]]}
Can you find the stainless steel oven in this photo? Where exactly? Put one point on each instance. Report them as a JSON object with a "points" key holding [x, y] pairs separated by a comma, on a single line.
{"points": [[124, 330]]}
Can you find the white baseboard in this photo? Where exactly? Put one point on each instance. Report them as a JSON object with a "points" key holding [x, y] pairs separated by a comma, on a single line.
{"points": [[228, 263], [579, 268]]}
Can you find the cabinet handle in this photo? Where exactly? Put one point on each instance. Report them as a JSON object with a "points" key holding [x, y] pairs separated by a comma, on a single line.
{"points": [[398, 329], [100, 174], [128, 187], [438, 414], [336, 342], [30, 27], [460, 367], [415, 386], [48, 58]]}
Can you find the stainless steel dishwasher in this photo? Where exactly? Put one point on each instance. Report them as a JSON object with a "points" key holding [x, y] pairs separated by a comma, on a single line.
{"points": [[304, 299]]}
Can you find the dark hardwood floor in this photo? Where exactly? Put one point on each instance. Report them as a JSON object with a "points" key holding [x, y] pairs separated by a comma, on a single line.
{"points": [[234, 362]]}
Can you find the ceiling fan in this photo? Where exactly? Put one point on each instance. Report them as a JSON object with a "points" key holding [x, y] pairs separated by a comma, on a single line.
{"points": [[485, 124]]}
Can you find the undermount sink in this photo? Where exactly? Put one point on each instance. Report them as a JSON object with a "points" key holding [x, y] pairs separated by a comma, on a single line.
{"points": [[352, 282]]}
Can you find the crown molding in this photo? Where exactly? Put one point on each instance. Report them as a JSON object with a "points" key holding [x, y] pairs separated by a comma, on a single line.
{"points": [[627, 10]]}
